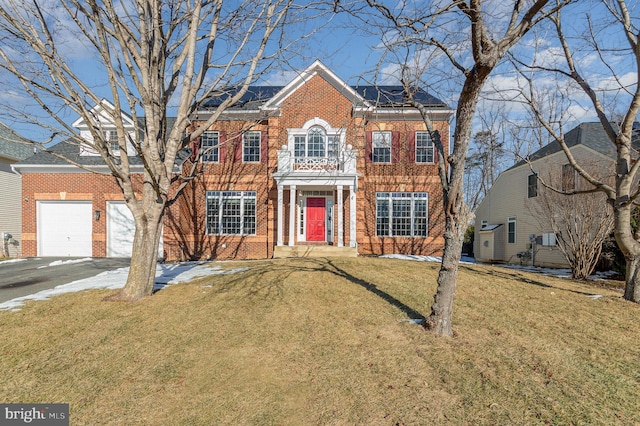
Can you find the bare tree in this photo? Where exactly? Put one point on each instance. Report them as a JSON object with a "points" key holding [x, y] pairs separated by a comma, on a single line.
{"points": [[487, 154], [612, 36], [580, 222], [474, 36], [151, 58]]}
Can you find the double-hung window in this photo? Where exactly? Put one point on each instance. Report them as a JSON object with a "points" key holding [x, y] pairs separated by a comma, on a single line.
{"points": [[231, 212], [210, 145], [532, 185], [381, 147], [111, 139], [511, 230], [424, 148], [251, 147], [402, 214]]}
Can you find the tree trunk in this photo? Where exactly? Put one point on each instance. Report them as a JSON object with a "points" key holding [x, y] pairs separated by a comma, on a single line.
{"points": [[629, 247], [632, 279], [144, 257], [440, 319]]}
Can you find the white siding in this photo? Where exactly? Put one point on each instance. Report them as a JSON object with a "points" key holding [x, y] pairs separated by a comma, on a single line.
{"points": [[508, 198], [11, 206]]}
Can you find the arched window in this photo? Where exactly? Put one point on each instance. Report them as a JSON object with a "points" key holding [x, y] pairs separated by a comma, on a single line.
{"points": [[316, 145]]}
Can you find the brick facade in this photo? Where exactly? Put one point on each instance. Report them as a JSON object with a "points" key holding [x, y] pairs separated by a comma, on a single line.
{"points": [[317, 99]]}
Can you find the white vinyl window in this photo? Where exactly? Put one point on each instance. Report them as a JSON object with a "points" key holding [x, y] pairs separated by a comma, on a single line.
{"points": [[381, 147], [231, 212], [424, 148], [549, 239], [251, 147], [210, 145], [402, 214], [111, 138], [511, 230]]}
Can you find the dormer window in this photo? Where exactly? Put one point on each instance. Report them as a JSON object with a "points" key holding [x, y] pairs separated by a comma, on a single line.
{"points": [[110, 138]]}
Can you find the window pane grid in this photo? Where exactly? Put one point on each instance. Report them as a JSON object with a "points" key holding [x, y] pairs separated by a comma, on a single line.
{"points": [[209, 142], [251, 147], [316, 143], [424, 148], [231, 212], [401, 214], [381, 147]]}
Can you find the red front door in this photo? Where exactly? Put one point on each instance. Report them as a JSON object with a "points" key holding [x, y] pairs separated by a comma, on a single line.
{"points": [[316, 219]]}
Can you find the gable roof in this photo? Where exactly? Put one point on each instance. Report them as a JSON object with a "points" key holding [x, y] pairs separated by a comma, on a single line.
{"points": [[367, 96], [590, 134], [12, 145], [70, 149]]}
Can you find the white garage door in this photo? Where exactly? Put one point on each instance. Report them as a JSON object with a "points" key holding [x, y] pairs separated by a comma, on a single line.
{"points": [[121, 229], [64, 228]]}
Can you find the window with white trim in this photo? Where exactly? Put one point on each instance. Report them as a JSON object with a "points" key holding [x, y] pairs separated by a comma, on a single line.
{"points": [[549, 239], [251, 147], [424, 148], [210, 145], [402, 214], [511, 230], [111, 139], [231, 212], [381, 147], [316, 143], [532, 185]]}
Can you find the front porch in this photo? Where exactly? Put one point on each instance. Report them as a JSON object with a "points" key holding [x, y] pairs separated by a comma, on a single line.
{"points": [[313, 251]]}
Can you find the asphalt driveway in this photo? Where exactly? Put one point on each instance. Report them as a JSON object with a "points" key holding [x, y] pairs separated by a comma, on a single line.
{"points": [[24, 277]]}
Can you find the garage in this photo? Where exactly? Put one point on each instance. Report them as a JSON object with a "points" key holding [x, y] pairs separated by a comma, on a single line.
{"points": [[64, 228], [121, 229]]}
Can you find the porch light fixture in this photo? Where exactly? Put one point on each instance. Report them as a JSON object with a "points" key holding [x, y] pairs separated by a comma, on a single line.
{"points": [[96, 215]]}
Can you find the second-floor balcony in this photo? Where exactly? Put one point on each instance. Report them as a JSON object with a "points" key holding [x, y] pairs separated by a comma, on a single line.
{"points": [[344, 162]]}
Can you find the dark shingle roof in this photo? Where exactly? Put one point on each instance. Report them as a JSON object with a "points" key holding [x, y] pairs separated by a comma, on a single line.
{"points": [[590, 134], [70, 149], [12, 145], [382, 96]]}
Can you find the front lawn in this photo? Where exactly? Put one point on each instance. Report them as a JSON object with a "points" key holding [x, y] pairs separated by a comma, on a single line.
{"points": [[317, 341]]}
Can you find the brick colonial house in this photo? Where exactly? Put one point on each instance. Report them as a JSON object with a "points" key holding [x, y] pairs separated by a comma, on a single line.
{"points": [[316, 163]]}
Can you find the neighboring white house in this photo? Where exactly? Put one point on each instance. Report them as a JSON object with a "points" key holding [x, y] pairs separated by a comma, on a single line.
{"points": [[13, 148], [508, 227]]}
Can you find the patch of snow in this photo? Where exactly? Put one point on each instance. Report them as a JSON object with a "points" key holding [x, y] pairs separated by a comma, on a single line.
{"points": [[13, 260], [166, 274], [418, 258], [65, 262], [594, 296], [554, 272]]}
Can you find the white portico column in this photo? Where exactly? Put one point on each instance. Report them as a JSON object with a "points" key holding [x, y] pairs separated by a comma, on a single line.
{"points": [[280, 221], [340, 218], [292, 214], [352, 216]]}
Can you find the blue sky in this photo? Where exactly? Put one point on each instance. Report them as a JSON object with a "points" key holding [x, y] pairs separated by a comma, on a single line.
{"points": [[354, 54]]}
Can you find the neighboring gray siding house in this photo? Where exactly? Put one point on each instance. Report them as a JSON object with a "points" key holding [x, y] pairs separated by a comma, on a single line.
{"points": [[506, 219], [13, 148]]}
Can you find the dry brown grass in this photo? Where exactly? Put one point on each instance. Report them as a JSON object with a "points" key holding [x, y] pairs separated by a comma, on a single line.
{"points": [[292, 342]]}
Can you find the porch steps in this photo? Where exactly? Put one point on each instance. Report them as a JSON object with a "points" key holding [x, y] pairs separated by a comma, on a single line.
{"points": [[281, 252]]}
